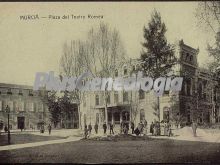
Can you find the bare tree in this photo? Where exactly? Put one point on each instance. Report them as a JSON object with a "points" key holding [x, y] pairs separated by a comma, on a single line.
{"points": [[99, 54], [104, 51], [208, 14], [71, 64]]}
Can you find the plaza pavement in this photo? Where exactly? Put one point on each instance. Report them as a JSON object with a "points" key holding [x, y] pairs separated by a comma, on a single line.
{"points": [[70, 135]]}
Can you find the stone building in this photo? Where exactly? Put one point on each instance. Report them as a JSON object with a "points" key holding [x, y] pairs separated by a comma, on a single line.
{"points": [[198, 99], [28, 108]]}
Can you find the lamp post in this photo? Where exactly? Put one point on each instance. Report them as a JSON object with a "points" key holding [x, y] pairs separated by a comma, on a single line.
{"points": [[8, 111]]}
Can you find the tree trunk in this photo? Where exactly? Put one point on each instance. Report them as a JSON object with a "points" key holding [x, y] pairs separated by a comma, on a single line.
{"points": [[158, 107], [106, 109], [80, 124]]}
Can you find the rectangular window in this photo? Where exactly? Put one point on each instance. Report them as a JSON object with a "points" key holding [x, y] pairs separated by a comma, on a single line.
{"points": [[108, 99], [40, 116], [116, 97], [141, 94], [40, 107], [21, 106], [125, 96], [30, 107], [10, 104], [97, 100]]}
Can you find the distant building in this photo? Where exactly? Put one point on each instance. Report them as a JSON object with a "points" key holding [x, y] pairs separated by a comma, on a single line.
{"points": [[28, 108]]}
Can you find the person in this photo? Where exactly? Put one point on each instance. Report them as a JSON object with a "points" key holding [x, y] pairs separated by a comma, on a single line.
{"points": [[104, 127], [162, 126], [125, 129], [49, 129], [169, 130], [6, 129], [90, 128], [132, 128], [194, 127], [111, 129], [152, 128], [85, 132], [121, 127], [141, 127], [96, 128], [166, 129], [42, 129]]}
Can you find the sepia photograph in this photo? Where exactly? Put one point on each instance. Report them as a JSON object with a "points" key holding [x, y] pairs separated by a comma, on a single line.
{"points": [[116, 82]]}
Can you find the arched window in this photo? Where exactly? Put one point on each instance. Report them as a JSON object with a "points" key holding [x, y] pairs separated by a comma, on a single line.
{"points": [[142, 115], [191, 58], [187, 56]]}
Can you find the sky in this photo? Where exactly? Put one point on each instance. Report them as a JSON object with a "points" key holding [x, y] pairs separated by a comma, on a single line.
{"points": [[31, 46]]}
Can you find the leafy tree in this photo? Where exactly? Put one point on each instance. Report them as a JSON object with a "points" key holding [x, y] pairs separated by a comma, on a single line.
{"points": [[157, 54], [54, 108]]}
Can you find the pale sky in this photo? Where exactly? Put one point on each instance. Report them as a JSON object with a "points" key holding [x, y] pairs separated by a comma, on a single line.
{"points": [[27, 47]]}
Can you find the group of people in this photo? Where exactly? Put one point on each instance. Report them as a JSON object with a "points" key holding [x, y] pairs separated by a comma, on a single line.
{"points": [[140, 129], [161, 128], [156, 128], [49, 129]]}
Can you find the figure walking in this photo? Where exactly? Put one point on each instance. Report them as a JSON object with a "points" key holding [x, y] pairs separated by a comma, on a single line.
{"points": [[152, 128], [104, 127], [194, 127], [49, 129], [132, 128], [85, 132], [111, 129], [89, 129], [96, 128]]}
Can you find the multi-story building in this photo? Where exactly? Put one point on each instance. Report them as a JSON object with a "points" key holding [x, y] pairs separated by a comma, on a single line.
{"points": [[28, 108], [198, 98]]}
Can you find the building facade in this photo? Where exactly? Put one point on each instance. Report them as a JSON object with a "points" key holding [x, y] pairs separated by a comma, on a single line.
{"points": [[198, 99], [28, 109]]}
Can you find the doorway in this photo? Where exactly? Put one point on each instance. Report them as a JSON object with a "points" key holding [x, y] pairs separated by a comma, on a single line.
{"points": [[21, 122]]}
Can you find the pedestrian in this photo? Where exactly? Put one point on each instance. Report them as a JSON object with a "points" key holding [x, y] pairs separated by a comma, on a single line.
{"points": [[125, 129], [166, 129], [140, 127], [169, 130], [96, 128], [152, 128], [90, 129], [111, 129], [6, 129], [104, 127], [49, 129], [194, 128], [85, 132], [132, 128], [121, 127]]}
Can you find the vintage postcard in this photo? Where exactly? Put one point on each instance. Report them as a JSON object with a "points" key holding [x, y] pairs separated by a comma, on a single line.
{"points": [[110, 82]]}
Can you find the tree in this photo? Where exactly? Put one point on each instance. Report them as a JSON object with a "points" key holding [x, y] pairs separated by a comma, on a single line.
{"points": [[72, 64], [105, 51], [157, 54], [54, 108], [208, 15], [99, 54]]}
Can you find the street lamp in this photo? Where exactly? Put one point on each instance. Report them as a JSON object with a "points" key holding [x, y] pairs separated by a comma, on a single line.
{"points": [[8, 111]]}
